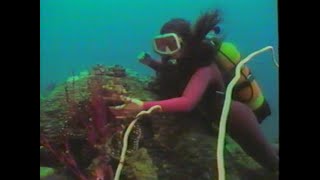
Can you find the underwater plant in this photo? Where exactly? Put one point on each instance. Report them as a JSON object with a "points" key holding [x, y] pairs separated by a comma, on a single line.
{"points": [[63, 155], [89, 114]]}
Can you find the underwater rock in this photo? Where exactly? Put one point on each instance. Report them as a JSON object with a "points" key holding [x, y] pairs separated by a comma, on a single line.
{"points": [[163, 146], [189, 151], [84, 74], [116, 71], [73, 78], [197, 151], [76, 125], [139, 166], [99, 70]]}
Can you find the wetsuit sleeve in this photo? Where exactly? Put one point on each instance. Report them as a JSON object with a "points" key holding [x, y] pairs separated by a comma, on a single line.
{"points": [[191, 95], [155, 65]]}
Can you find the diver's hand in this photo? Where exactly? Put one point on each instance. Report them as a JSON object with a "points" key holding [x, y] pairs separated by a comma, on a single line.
{"points": [[145, 58], [137, 106], [156, 108], [131, 107]]}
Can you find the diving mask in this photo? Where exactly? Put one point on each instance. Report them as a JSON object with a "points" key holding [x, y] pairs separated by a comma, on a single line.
{"points": [[167, 44]]}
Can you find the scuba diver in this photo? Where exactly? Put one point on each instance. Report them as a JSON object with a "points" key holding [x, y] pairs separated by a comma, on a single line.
{"points": [[246, 90], [193, 73]]}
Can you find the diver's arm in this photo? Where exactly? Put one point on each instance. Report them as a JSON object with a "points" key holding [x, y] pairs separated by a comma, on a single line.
{"points": [[146, 59], [191, 95], [154, 64]]}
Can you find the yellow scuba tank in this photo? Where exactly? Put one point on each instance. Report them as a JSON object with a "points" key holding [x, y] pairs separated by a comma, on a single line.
{"points": [[247, 89]]}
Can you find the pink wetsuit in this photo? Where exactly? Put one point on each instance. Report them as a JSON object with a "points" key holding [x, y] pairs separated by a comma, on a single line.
{"points": [[191, 95], [242, 123]]}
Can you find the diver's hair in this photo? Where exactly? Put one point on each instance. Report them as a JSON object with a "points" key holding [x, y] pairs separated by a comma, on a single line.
{"points": [[179, 26], [198, 46], [204, 24]]}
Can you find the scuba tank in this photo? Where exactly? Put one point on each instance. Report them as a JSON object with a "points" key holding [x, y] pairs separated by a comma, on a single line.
{"points": [[247, 89]]}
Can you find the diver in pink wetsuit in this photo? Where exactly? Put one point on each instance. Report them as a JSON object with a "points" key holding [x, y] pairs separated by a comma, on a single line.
{"points": [[194, 79]]}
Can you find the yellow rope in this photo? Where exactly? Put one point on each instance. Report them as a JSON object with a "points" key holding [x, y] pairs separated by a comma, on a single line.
{"points": [[226, 109], [126, 135]]}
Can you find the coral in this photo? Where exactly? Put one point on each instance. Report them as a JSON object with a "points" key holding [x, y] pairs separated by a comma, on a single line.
{"points": [[99, 70], [63, 155], [116, 71], [78, 110]]}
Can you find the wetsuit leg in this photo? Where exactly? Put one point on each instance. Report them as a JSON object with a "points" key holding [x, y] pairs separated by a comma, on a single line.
{"points": [[244, 128]]}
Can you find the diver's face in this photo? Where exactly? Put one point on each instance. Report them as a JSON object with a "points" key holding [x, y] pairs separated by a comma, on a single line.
{"points": [[177, 55], [169, 44], [174, 58]]}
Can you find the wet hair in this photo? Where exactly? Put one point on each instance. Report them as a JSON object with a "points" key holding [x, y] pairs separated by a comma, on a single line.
{"points": [[179, 26], [172, 79]]}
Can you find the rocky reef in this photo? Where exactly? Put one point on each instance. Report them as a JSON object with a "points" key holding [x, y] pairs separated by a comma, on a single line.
{"points": [[80, 138]]}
